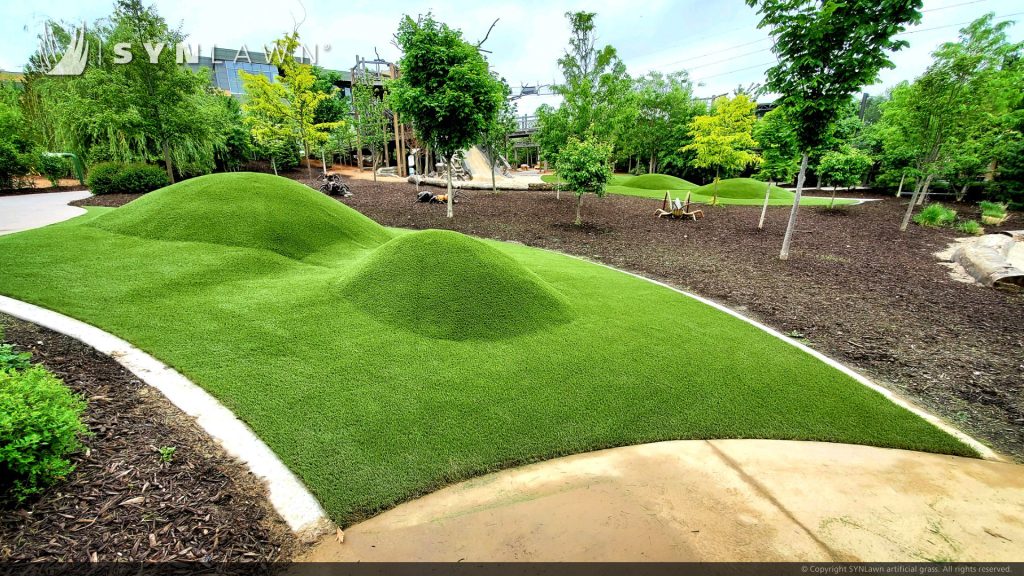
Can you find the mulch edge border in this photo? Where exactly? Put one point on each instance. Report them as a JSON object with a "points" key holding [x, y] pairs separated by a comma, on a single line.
{"points": [[287, 494], [984, 451]]}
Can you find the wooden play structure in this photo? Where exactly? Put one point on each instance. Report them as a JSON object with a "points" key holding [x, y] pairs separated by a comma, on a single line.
{"points": [[677, 210]]}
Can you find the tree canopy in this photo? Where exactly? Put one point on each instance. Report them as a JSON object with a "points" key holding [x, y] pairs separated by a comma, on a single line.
{"points": [[723, 139]]}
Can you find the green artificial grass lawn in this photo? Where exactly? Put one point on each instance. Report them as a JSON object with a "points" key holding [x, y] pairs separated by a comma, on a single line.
{"points": [[381, 364], [731, 191]]}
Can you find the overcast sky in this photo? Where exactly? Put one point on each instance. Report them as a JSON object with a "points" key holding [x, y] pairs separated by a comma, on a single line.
{"points": [[718, 42]]}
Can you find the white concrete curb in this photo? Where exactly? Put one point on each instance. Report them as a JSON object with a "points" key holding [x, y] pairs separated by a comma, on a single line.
{"points": [[985, 452], [287, 493]]}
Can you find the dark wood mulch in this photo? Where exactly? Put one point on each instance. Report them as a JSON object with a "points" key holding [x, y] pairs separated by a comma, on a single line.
{"points": [[108, 200], [122, 503], [855, 287]]}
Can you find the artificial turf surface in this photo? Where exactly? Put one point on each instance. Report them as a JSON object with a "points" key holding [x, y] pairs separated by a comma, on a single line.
{"points": [[354, 351], [731, 191]]}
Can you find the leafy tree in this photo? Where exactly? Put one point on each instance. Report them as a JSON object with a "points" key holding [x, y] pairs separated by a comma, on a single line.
{"points": [[723, 140], [827, 50], [371, 119], [585, 166], [595, 92], [445, 88], [963, 95], [495, 137], [779, 153], [843, 168], [288, 106], [656, 119]]}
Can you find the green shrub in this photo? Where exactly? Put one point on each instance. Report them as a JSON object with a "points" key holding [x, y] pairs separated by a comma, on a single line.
{"points": [[116, 178], [140, 178], [40, 424], [972, 227], [638, 170], [11, 360], [993, 209], [53, 167], [12, 167], [101, 177], [935, 215]]}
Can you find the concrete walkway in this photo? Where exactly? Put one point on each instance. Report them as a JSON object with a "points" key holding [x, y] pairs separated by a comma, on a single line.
{"points": [[28, 211], [723, 500]]}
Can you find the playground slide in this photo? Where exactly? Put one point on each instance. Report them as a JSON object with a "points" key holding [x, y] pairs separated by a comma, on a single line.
{"points": [[479, 165]]}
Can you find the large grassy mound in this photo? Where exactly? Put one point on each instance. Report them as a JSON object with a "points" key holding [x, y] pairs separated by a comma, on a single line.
{"points": [[659, 182], [305, 350], [744, 189], [443, 284], [245, 210]]}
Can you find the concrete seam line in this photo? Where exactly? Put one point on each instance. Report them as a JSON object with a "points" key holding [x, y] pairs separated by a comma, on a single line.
{"points": [[985, 452], [288, 495]]}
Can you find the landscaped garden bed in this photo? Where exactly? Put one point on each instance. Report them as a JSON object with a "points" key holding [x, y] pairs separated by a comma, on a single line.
{"points": [[149, 486]]}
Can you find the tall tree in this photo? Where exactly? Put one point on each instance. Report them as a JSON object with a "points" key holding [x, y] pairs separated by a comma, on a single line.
{"points": [[827, 50], [299, 98], [371, 121], [594, 89], [656, 120], [779, 153], [723, 140], [445, 88]]}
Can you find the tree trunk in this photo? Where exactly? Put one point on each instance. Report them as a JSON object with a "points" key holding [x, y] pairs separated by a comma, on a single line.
{"points": [[924, 191], [323, 158], [273, 164], [167, 161], [913, 202], [791, 226], [494, 182], [899, 191], [650, 165], [579, 204], [832, 203], [451, 199], [963, 193], [764, 209], [374, 152], [714, 200], [558, 185]]}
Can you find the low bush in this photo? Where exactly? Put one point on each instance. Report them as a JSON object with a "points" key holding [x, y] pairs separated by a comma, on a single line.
{"points": [[972, 227], [935, 215], [12, 167], [11, 360], [40, 424], [140, 178], [116, 178], [993, 209], [53, 167]]}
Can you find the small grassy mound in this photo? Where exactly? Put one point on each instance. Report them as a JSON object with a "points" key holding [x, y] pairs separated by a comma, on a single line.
{"points": [[446, 285], [246, 210], [744, 188], [659, 182]]}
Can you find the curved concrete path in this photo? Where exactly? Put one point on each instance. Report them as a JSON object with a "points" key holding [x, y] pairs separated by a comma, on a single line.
{"points": [[27, 211], [722, 500]]}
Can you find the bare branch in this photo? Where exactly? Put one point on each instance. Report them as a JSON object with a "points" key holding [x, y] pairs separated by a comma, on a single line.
{"points": [[481, 43]]}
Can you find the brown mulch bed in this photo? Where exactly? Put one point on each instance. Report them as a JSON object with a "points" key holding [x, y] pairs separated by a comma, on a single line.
{"points": [[855, 287], [108, 200], [122, 503]]}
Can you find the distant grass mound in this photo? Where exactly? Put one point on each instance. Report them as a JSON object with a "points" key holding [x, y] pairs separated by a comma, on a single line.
{"points": [[659, 182], [246, 210], [446, 285], [745, 189]]}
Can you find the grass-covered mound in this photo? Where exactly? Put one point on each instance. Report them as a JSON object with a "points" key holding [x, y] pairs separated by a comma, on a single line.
{"points": [[246, 210], [743, 189], [368, 415], [659, 182], [443, 284]]}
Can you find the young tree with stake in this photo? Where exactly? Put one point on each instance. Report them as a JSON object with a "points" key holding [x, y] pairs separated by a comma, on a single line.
{"points": [[780, 158], [827, 50]]}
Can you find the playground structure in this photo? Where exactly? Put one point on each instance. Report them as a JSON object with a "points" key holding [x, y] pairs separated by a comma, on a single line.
{"points": [[472, 170]]}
